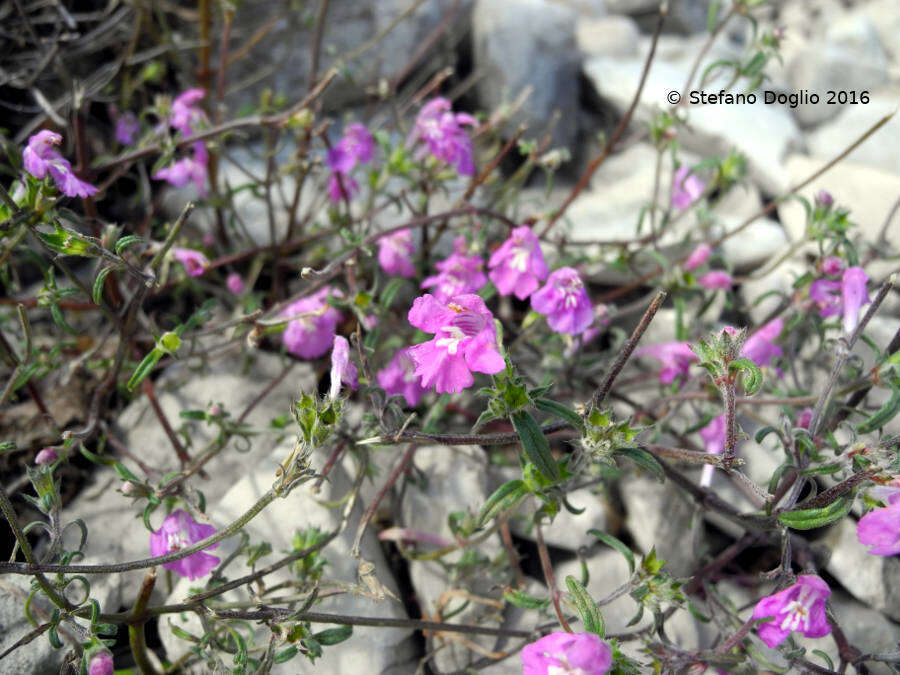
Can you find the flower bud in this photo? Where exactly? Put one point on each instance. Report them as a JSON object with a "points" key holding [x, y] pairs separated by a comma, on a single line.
{"points": [[46, 456]]}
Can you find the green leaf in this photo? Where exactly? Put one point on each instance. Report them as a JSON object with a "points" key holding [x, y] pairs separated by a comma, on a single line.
{"points": [[389, 294], [559, 410], [611, 541], [753, 378], [645, 460], [762, 433], [333, 636], [507, 496], [192, 415], [125, 242], [525, 601], [535, 444], [587, 608], [884, 414], [285, 655], [809, 519], [711, 15], [144, 368], [97, 293]]}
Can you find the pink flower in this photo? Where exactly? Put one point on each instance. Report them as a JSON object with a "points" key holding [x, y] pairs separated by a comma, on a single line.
{"points": [[518, 265], [804, 418], [395, 253], [101, 664], [186, 170], [40, 158], [832, 266], [880, 529], [686, 188], [399, 378], [343, 370], [716, 279], [800, 607], [179, 531], [465, 340], [853, 295], [697, 257], [675, 357], [310, 332], [195, 263], [458, 274], [824, 198], [847, 296], [442, 132], [234, 283], [713, 434], [564, 301], [341, 187], [46, 456], [127, 127], [760, 347], [358, 143], [186, 114], [560, 653]]}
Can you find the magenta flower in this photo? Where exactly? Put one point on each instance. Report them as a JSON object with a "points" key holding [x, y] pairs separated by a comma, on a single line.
{"points": [[824, 198], [847, 296], [465, 340], [310, 331], [101, 664], [760, 347], [341, 187], [358, 143], [565, 302], [343, 370], [195, 263], [186, 170], [716, 279], [442, 132], [458, 274], [675, 357], [831, 266], [880, 529], [40, 158], [234, 283], [713, 435], [45, 456], [804, 418], [395, 253], [399, 378], [853, 295], [186, 114], [560, 653], [686, 188], [800, 607], [127, 127], [697, 257], [518, 265], [179, 531]]}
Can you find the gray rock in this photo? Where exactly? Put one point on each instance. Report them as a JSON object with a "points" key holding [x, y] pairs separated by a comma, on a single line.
{"points": [[850, 57], [781, 280], [382, 649], [660, 516], [281, 62], [529, 44], [878, 151], [38, 657], [872, 579], [886, 19], [457, 480], [753, 246], [608, 36], [683, 17]]}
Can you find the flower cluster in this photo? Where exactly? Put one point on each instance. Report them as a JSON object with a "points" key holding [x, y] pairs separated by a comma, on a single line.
{"points": [[395, 253], [180, 531], [356, 146], [686, 188], [399, 378], [458, 274], [195, 263], [184, 117], [880, 529], [565, 302], [517, 266], [40, 158], [442, 132]]}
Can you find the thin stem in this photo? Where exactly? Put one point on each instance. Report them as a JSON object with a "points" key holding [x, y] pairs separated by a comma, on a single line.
{"points": [[547, 567], [136, 637]]}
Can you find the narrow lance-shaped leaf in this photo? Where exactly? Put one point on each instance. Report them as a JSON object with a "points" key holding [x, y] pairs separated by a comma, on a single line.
{"points": [[587, 608], [535, 444], [808, 519]]}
